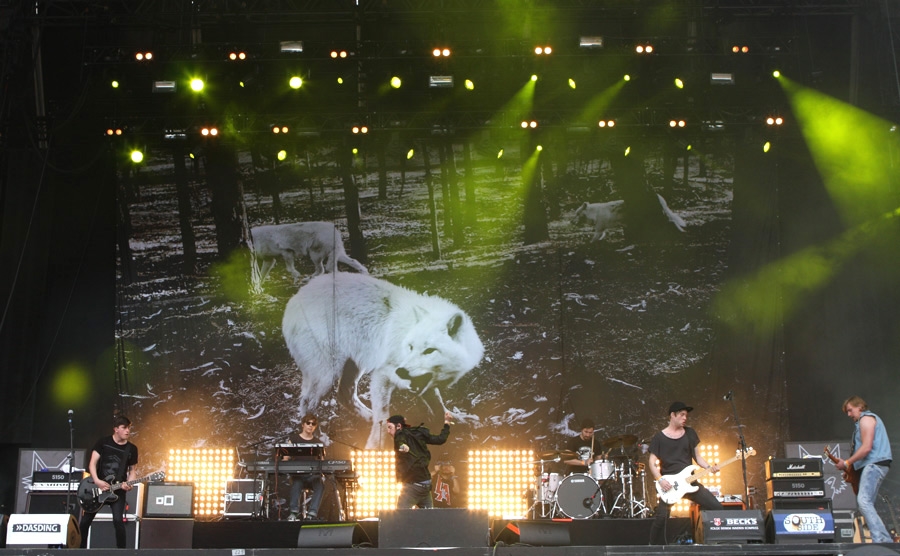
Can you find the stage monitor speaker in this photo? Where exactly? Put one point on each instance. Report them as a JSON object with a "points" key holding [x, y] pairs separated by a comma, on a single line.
{"points": [[730, 526], [433, 528], [169, 500], [800, 526], [42, 531], [243, 497], [535, 533], [167, 532], [331, 535], [102, 534]]}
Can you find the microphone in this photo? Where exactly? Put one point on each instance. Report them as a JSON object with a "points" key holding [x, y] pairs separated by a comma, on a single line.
{"points": [[728, 396], [587, 502]]}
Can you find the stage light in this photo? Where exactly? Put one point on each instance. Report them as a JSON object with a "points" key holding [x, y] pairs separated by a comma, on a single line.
{"points": [[539, 148], [740, 49], [677, 123], [164, 86], [774, 120], [500, 154], [776, 74], [626, 77], [440, 52], [543, 50], [767, 146], [143, 56], [291, 46], [498, 479], [721, 78], [571, 83], [410, 153], [627, 150], [338, 54], [280, 129], [209, 131], [377, 488], [470, 85], [197, 84], [359, 129], [208, 469], [440, 81], [340, 80], [137, 156], [534, 77], [113, 131], [591, 42], [234, 56], [528, 124], [644, 49], [396, 82], [282, 155], [174, 134], [679, 83], [114, 84], [607, 123], [295, 82]]}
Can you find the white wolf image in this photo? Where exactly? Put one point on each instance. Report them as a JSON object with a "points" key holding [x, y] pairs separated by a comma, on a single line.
{"points": [[605, 216], [320, 241], [344, 326]]}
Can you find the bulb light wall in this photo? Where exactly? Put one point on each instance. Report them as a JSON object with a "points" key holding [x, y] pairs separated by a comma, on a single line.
{"points": [[499, 481], [208, 469]]}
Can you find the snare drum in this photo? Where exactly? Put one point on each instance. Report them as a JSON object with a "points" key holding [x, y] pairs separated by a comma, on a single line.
{"points": [[546, 487], [602, 470]]}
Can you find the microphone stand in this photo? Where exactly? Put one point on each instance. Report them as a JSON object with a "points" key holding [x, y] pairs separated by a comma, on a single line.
{"points": [[743, 445], [70, 508]]}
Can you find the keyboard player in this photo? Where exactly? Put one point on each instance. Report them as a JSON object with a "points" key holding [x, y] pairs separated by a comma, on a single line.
{"points": [[306, 446]]}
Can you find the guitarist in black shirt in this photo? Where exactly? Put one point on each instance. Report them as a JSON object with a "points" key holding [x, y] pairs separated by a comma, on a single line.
{"points": [[113, 459]]}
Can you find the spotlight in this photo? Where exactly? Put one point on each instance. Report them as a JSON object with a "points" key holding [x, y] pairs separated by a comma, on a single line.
{"points": [[114, 132], [644, 49], [541, 50], [776, 74], [279, 129], [359, 129], [721, 78], [607, 123], [440, 81], [164, 87], [529, 124], [295, 82], [679, 83], [591, 42], [338, 54], [136, 156], [677, 123], [291, 46], [440, 52], [571, 83], [774, 120], [234, 56], [740, 49], [197, 84], [209, 131], [114, 84], [143, 56], [470, 85], [396, 82]]}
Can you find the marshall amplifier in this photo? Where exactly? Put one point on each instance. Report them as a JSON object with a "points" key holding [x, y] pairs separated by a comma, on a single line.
{"points": [[790, 468], [730, 526], [795, 488]]}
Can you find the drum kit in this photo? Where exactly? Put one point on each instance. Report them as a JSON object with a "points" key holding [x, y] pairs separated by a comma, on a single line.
{"points": [[614, 486]]}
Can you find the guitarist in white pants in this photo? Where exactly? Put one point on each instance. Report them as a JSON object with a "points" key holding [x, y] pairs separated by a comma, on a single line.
{"points": [[672, 450], [112, 458]]}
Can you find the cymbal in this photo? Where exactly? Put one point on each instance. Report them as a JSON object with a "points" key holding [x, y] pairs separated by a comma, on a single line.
{"points": [[620, 441], [563, 455]]}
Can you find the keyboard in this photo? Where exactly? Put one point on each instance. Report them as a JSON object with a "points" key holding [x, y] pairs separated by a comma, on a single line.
{"points": [[300, 466]]}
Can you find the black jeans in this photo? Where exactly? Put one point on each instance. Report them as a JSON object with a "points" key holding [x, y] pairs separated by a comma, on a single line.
{"points": [[702, 497], [118, 521]]}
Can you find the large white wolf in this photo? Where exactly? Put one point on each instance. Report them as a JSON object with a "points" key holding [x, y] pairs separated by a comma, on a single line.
{"points": [[605, 216], [343, 326], [320, 241]]}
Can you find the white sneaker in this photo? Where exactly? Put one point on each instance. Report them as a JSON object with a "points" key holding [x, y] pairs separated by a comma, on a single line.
{"points": [[292, 517]]}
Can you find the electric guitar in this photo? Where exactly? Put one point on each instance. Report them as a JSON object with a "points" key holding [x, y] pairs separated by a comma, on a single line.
{"points": [[849, 475], [682, 483], [91, 498]]}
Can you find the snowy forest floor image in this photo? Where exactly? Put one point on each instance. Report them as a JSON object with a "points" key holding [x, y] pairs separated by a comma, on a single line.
{"points": [[611, 330]]}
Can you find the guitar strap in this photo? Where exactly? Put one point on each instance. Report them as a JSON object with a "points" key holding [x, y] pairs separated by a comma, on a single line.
{"points": [[124, 473]]}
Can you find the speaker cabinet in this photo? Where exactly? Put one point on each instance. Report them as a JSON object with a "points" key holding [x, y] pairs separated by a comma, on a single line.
{"points": [[50, 503], [331, 535], [167, 533], [102, 533], [169, 500], [536, 533], [730, 526], [134, 501], [433, 528]]}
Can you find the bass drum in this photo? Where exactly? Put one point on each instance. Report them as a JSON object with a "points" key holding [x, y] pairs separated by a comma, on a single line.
{"points": [[579, 496]]}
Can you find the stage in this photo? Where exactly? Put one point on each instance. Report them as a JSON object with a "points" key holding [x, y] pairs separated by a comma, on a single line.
{"points": [[451, 532]]}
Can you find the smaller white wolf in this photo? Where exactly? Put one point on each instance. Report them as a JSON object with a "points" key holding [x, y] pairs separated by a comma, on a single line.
{"points": [[320, 241], [605, 216]]}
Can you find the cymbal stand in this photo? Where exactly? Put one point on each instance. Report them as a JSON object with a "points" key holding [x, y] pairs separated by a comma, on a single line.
{"points": [[634, 507], [547, 507]]}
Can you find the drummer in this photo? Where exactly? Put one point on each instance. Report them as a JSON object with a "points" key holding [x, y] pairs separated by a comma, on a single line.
{"points": [[583, 447]]}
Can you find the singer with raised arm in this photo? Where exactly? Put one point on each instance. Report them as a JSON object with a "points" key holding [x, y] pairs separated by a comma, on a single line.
{"points": [[673, 451], [112, 461], [871, 458], [413, 460], [313, 481]]}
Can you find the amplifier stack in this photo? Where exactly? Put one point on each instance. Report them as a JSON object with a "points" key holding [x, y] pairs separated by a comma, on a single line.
{"points": [[796, 507]]}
